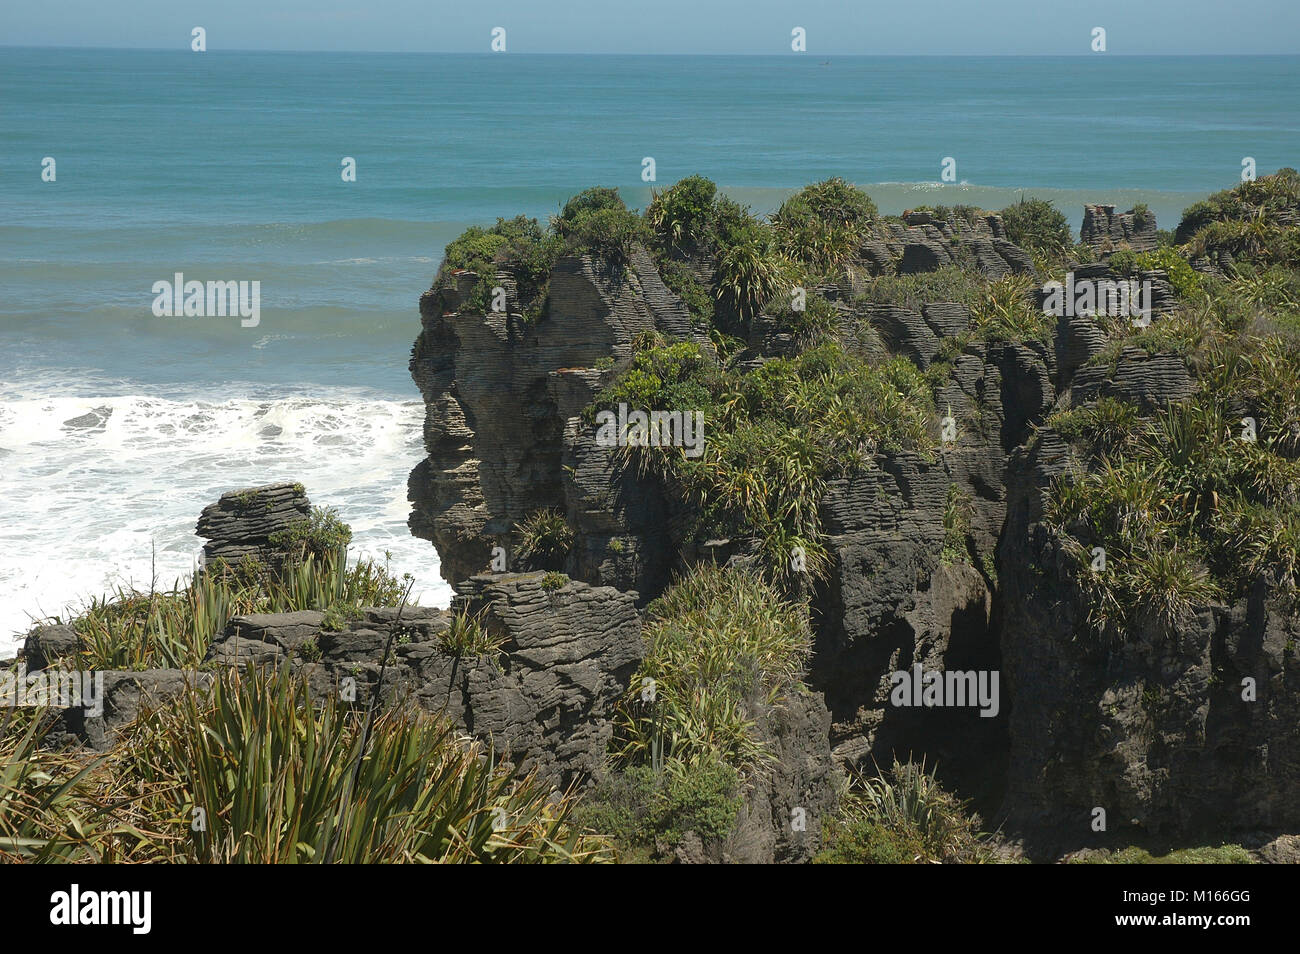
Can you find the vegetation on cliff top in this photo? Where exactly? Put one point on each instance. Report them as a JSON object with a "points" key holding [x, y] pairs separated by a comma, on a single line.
{"points": [[1037, 226], [1194, 503], [595, 222], [776, 434], [131, 629]]}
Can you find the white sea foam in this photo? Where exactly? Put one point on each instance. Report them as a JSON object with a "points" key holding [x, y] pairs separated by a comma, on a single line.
{"points": [[97, 492]]}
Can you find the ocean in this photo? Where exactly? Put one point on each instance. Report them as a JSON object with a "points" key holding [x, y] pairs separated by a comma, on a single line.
{"points": [[117, 426]]}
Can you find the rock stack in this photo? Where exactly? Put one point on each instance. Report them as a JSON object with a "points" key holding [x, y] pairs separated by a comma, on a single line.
{"points": [[243, 522], [1107, 230]]}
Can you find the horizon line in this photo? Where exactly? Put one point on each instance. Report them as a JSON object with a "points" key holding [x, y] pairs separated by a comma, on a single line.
{"points": [[790, 54]]}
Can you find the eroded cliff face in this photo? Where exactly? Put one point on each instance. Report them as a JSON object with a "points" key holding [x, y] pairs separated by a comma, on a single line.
{"points": [[1158, 730], [1154, 731], [503, 397]]}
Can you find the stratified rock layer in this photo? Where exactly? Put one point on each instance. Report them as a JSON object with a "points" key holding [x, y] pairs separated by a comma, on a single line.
{"points": [[1073, 731], [242, 523], [1107, 230], [544, 702]]}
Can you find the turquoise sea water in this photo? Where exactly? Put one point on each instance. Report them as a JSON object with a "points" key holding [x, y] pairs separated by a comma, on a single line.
{"points": [[226, 166]]}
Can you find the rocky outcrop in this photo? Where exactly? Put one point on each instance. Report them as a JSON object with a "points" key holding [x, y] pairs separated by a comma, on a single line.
{"points": [[503, 396], [918, 334], [1106, 230], [900, 593], [923, 243], [46, 644], [125, 696], [1138, 377], [545, 702], [939, 561], [242, 523], [1156, 730]]}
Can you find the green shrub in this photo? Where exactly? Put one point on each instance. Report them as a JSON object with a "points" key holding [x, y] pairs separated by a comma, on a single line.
{"points": [[1142, 217], [774, 436], [624, 807], [595, 199], [336, 619], [554, 581], [823, 224], [749, 274], [1186, 281], [1123, 262], [1005, 311], [320, 535], [683, 213], [717, 642], [643, 811], [1101, 427], [864, 840], [1037, 226], [283, 777], [519, 245], [733, 223], [813, 324], [668, 377], [468, 635], [597, 222], [703, 800], [609, 234], [698, 299], [1188, 513], [956, 526], [1250, 241], [1269, 197], [1253, 223], [545, 539], [903, 816]]}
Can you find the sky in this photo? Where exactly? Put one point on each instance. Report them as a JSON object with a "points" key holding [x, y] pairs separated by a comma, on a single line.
{"points": [[833, 27]]}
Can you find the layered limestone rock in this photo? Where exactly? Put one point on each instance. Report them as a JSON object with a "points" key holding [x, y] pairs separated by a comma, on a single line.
{"points": [[922, 243], [545, 702], [243, 522], [1160, 730], [505, 438], [900, 593], [119, 698], [502, 394], [1107, 230]]}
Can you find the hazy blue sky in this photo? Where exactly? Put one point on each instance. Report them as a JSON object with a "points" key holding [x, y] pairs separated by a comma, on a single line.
{"points": [[668, 26]]}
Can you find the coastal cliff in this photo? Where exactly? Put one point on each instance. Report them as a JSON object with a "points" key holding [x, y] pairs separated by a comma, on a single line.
{"points": [[823, 537], [933, 551]]}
